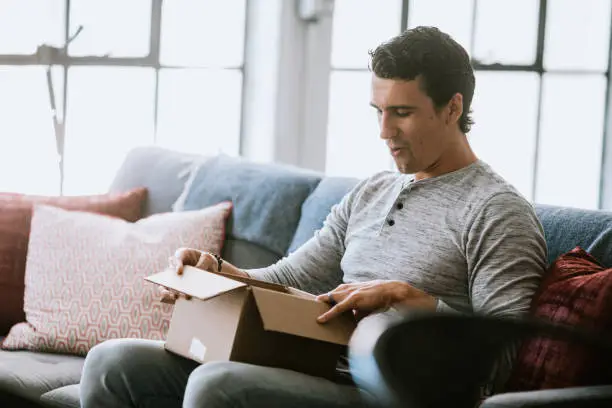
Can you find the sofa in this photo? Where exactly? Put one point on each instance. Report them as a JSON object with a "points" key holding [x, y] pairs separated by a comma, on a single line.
{"points": [[276, 209]]}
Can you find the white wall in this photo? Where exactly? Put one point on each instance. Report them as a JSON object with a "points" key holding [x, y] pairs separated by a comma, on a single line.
{"points": [[286, 84]]}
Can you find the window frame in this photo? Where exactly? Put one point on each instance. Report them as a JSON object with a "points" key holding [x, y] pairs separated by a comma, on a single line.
{"points": [[59, 57], [605, 190]]}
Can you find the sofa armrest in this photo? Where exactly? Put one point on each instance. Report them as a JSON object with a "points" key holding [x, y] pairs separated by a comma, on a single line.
{"points": [[582, 397], [439, 360]]}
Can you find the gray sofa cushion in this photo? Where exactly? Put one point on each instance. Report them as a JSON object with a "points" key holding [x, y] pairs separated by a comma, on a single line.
{"points": [[267, 198], [247, 255], [163, 172], [64, 397], [566, 228], [30, 375], [317, 207]]}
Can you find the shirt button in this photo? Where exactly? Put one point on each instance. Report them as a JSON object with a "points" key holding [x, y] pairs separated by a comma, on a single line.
{"points": [[391, 223], [399, 206]]}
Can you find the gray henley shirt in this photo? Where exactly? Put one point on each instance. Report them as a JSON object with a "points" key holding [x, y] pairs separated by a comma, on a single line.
{"points": [[467, 238]]}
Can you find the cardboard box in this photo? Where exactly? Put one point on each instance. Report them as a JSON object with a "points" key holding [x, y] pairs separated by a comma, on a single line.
{"points": [[240, 319]]}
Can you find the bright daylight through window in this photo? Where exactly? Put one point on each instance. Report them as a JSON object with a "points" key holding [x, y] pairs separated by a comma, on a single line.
{"points": [[526, 127], [137, 72]]}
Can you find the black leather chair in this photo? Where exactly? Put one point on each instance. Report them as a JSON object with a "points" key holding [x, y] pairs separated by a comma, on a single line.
{"points": [[440, 361]]}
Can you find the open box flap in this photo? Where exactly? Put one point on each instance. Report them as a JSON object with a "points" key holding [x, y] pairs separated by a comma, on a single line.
{"points": [[195, 282], [257, 283], [297, 315]]}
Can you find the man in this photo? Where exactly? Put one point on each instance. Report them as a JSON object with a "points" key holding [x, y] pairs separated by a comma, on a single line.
{"points": [[444, 233]]}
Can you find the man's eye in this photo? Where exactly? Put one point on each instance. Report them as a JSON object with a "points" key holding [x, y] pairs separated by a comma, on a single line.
{"points": [[402, 114]]}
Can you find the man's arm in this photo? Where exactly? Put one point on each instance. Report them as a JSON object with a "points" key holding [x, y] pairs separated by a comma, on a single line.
{"points": [[506, 256], [315, 266]]}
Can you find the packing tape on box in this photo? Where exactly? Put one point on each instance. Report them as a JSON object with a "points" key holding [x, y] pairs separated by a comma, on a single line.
{"points": [[197, 350]]}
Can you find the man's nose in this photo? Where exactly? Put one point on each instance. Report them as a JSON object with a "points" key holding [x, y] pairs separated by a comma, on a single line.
{"points": [[387, 128]]}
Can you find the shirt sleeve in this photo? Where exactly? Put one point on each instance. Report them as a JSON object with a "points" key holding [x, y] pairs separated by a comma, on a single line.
{"points": [[315, 266], [506, 255]]}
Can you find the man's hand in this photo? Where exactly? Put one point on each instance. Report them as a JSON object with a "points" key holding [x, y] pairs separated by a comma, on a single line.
{"points": [[192, 257], [199, 259], [187, 257], [374, 296]]}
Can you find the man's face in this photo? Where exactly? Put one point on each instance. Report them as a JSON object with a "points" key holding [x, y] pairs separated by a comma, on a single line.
{"points": [[415, 132]]}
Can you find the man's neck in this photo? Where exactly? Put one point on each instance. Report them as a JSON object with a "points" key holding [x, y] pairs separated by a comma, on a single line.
{"points": [[456, 157]]}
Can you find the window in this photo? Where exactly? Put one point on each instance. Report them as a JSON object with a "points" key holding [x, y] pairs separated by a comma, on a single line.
{"points": [[124, 74], [352, 134], [540, 98]]}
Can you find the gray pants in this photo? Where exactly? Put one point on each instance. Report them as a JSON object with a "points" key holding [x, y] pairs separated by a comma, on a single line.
{"points": [[141, 373]]}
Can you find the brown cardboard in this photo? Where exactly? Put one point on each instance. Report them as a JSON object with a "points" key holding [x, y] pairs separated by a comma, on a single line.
{"points": [[247, 320], [299, 317]]}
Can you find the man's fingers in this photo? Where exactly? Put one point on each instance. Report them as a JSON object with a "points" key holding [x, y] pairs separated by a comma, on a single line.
{"points": [[167, 296], [170, 296], [186, 256], [176, 263], [336, 310], [168, 300], [205, 261], [335, 296]]}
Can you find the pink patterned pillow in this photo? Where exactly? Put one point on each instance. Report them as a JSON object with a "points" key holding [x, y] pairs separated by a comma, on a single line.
{"points": [[84, 275]]}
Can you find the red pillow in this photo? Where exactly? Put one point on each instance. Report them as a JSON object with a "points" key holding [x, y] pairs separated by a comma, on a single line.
{"points": [[576, 291], [15, 219]]}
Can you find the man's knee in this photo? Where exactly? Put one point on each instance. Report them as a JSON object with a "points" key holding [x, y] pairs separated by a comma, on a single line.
{"points": [[217, 383], [108, 363], [112, 355]]}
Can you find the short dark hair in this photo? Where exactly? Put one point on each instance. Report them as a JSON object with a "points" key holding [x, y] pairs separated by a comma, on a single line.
{"points": [[443, 66]]}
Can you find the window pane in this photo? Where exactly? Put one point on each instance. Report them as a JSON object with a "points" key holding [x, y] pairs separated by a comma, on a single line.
{"points": [[504, 134], [506, 31], [24, 25], [200, 110], [110, 111], [26, 122], [577, 34], [354, 147], [455, 21], [206, 33], [360, 25], [115, 28], [571, 132]]}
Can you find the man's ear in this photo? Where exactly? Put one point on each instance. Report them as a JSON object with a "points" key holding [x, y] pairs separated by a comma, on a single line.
{"points": [[455, 108]]}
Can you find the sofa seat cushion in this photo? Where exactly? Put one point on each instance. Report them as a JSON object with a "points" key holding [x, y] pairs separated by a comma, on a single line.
{"points": [[566, 228], [267, 198], [29, 374], [63, 397]]}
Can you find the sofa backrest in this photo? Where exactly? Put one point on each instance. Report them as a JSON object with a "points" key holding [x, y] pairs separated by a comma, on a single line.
{"points": [[566, 228], [267, 198], [317, 207], [163, 172], [278, 207]]}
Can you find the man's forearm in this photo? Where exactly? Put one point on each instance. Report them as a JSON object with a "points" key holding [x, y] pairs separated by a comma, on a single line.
{"points": [[230, 269]]}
